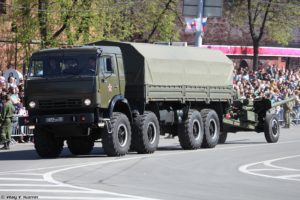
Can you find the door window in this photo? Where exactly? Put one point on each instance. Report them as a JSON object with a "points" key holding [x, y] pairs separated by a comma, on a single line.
{"points": [[107, 64]]}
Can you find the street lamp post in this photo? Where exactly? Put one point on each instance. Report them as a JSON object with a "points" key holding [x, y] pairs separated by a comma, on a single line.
{"points": [[15, 30], [198, 38], [16, 51]]}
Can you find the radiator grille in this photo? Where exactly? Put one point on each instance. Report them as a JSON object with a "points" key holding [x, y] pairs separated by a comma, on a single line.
{"points": [[66, 103]]}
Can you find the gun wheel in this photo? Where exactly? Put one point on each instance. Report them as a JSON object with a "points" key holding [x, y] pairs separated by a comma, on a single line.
{"points": [[272, 129]]}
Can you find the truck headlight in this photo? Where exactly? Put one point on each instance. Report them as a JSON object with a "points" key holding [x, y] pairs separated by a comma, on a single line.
{"points": [[87, 102], [32, 104]]}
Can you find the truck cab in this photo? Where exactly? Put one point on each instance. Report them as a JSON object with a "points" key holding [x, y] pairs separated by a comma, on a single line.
{"points": [[70, 94]]}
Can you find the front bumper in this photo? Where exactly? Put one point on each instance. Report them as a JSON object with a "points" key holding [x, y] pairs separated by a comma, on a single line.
{"points": [[59, 119]]}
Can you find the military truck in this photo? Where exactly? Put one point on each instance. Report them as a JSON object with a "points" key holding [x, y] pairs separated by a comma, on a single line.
{"points": [[127, 95]]}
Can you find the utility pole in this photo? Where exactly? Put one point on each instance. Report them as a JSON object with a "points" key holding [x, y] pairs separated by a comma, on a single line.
{"points": [[198, 39]]}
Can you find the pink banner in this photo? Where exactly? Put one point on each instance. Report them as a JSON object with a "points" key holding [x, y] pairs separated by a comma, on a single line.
{"points": [[262, 51]]}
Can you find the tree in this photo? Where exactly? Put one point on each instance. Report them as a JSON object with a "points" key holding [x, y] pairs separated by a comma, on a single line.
{"points": [[272, 18], [76, 21], [55, 22]]}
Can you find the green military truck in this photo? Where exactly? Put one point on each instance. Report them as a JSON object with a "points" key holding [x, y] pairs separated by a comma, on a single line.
{"points": [[127, 95]]}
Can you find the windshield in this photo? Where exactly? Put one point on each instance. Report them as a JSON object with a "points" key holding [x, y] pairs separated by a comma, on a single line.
{"points": [[69, 63]]}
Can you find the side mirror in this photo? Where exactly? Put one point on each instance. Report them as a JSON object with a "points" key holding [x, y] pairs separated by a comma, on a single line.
{"points": [[99, 52]]}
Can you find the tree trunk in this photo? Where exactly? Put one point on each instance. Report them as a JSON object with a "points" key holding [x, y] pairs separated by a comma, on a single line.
{"points": [[255, 55], [43, 21]]}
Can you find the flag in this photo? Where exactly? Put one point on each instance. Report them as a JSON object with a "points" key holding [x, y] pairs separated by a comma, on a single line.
{"points": [[204, 19], [194, 24]]}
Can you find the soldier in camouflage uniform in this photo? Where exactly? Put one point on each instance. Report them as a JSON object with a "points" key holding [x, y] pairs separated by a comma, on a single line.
{"points": [[6, 124], [287, 108]]}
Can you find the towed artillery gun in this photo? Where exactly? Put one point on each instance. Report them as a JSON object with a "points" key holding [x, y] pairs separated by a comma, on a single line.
{"points": [[257, 115]]}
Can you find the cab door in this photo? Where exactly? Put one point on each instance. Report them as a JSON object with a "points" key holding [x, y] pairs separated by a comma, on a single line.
{"points": [[109, 81]]}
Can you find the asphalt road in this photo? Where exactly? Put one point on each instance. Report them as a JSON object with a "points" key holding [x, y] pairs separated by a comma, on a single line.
{"points": [[246, 168]]}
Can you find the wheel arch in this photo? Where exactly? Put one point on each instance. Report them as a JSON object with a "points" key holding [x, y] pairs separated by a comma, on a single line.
{"points": [[120, 104]]}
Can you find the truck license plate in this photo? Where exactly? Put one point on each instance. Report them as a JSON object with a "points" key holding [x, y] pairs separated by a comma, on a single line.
{"points": [[54, 119]]}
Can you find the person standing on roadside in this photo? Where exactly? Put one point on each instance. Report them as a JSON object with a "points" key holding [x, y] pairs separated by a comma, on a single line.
{"points": [[288, 108], [6, 124]]}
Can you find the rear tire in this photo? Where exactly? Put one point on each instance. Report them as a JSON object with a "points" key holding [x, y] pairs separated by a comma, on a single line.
{"points": [[117, 142], [191, 131], [211, 128], [223, 137], [272, 128], [46, 145], [146, 133], [81, 145]]}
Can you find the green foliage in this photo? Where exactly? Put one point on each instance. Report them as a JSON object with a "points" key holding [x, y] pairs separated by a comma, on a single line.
{"points": [[56, 22], [83, 21], [282, 17]]}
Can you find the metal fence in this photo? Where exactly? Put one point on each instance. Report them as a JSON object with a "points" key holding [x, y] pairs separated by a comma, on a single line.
{"points": [[294, 115], [20, 131]]}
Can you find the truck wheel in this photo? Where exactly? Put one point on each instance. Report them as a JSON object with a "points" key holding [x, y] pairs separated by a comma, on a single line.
{"points": [[146, 132], [191, 131], [211, 128], [272, 128], [46, 145], [223, 137], [117, 142], [80, 146]]}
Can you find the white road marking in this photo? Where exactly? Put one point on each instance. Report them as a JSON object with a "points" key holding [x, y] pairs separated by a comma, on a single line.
{"points": [[248, 169], [21, 179], [25, 174], [28, 185], [65, 188]]}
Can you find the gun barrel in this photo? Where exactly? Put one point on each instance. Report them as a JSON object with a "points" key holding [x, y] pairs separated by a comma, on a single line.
{"points": [[283, 101]]}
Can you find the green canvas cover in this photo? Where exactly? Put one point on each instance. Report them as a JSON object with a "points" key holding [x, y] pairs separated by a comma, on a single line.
{"points": [[174, 65]]}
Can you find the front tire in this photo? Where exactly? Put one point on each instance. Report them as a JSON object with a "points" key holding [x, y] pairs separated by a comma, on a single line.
{"points": [[81, 145], [211, 128], [117, 142], [46, 145], [146, 133], [191, 131], [272, 128]]}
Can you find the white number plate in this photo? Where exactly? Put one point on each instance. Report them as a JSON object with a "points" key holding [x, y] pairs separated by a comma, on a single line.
{"points": [[54, 119]]}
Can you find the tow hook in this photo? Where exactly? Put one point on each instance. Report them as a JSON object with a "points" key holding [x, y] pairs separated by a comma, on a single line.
{"points": [[105, 122]]}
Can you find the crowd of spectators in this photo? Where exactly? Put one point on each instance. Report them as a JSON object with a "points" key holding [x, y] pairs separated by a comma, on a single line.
{"points": [[15, 89], [269, 82]]}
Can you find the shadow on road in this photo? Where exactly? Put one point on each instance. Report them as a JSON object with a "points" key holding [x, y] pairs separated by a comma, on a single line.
{"points": [[242, 142], [170, 148], [19, 155], [32, 155]]}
